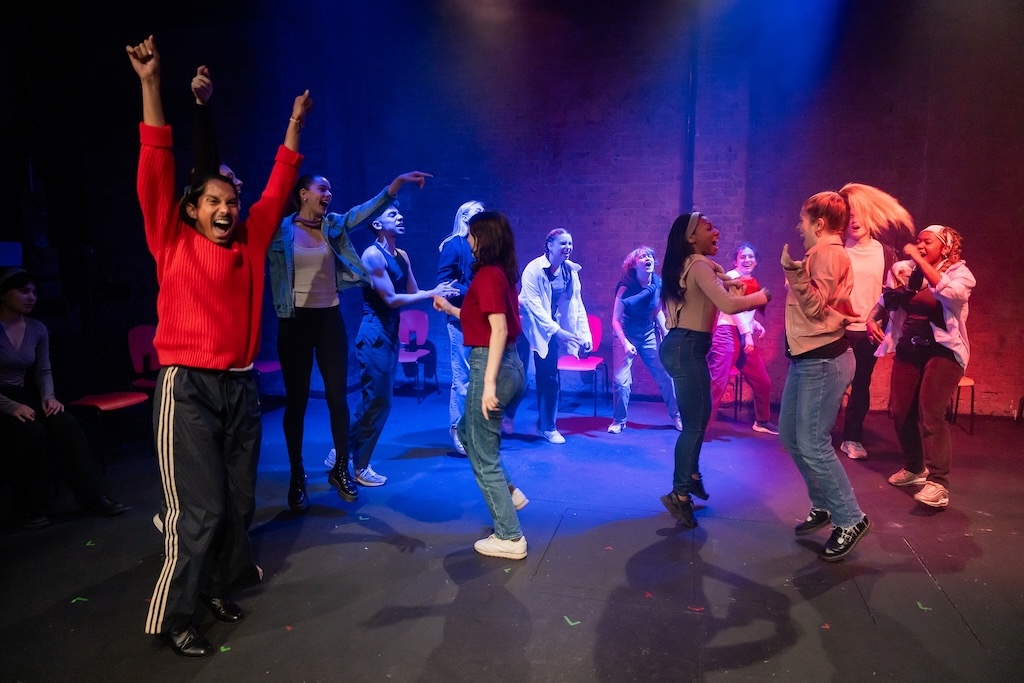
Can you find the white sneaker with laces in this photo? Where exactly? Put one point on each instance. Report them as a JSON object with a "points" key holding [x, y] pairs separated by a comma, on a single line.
{"points": [[519, 499], [331, 458], [492, 546], [854, 450], [553, 436], [616, 427], [367, 477], [454, 431]]}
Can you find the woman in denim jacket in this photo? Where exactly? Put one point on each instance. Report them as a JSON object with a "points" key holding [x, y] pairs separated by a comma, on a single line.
{"points": [[311, 259]]}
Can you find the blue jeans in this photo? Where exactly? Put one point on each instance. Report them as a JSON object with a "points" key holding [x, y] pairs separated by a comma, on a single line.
{"points": [[377, 355], [460, 374], [684, 353], [646, 345], [810, 403], [482, 436]]}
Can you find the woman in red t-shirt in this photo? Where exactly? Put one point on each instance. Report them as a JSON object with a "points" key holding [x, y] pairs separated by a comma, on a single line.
{"points": [[490, 325]]}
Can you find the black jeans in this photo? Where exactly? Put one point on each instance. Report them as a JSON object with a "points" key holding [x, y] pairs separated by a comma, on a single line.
{"points": [[860, 389]]}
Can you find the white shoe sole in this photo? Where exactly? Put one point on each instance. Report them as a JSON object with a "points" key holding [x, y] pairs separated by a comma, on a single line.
{"points": [[490, 552]]}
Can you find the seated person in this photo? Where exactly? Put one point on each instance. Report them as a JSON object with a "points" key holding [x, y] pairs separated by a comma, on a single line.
{"points": [[32, 421]]}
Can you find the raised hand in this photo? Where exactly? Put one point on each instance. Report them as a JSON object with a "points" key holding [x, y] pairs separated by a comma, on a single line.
{"points": [[787, 262], [417, 177], [202, 85], [446, 289], [303, 103], [145, 58]]}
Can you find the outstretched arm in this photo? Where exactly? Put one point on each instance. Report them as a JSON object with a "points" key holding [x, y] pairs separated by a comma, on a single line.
{"points": [[205, 148], [377, 268], [145, 60], [303, 103]]}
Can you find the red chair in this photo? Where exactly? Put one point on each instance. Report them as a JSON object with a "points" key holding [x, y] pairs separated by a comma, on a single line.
{"points": [[99, 405], [143, 354], [413, 328], [592, 362]]}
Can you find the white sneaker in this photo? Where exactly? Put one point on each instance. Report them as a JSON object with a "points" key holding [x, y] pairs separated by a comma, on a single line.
{"points": [[508, 425], [616, 427], [854, 449], [519, 499], [454, 431], [678, 422], [331, 458], [553, 436], [492, 546], [158, 522], [367, 477]]}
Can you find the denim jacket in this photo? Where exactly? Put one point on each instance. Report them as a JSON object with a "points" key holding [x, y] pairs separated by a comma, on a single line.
{"points": [[349, 268]]}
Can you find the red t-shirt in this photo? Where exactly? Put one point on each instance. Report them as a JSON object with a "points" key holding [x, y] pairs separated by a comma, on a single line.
{"points": [[488, 293]]}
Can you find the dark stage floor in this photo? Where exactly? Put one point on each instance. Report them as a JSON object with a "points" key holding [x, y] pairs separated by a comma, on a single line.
{"points": [[389, 588]]}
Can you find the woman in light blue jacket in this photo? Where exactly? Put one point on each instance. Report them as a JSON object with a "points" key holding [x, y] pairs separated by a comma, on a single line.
{"points": [[311, 259], [554, 321]]}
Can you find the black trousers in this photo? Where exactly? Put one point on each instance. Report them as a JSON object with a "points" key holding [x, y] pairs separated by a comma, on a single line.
{"points": [[208, 430], [30, 447], [317, 332]]}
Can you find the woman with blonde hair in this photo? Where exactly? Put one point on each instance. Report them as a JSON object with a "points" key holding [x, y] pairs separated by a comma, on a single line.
{"points": [[638, 325], [879, 227], [927, 295], [455, 266]]}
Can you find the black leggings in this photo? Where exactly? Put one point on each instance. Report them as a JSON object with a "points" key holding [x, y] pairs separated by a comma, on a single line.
{"points": [[318, 331]]}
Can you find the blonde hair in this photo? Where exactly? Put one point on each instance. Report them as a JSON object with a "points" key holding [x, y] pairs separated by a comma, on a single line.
{"points": [[881, 213], [460, 228]]}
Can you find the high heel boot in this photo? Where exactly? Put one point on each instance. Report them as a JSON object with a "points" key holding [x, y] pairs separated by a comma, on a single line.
{"points": [[341, 479]]}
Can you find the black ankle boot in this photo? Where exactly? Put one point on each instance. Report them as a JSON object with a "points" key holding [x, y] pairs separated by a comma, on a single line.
{"points": [[341, 480], [697, 489], [297, 499]]}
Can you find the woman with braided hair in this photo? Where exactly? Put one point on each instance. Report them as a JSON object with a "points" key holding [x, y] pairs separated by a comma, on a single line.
{"points": [[927, 295]]}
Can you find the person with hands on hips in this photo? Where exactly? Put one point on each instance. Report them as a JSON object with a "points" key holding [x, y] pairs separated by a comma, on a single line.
{"points": [[554, 322]]}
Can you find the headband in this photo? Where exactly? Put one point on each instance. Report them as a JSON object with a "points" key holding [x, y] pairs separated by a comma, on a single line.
{"points": [[940, 231], [691, 225]]}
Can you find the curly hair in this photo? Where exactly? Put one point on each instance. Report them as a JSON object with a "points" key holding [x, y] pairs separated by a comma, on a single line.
{"points": [[952, 243], [633, 258], [881, 213]]}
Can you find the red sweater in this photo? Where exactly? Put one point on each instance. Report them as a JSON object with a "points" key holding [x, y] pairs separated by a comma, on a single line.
{"points": [[210, 303]]}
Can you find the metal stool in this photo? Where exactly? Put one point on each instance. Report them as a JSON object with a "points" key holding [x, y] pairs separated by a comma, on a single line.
{"points": [[737, 393]]}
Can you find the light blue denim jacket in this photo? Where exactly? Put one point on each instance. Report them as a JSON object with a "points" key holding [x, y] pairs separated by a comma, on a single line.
{"points": [[349, 268]]}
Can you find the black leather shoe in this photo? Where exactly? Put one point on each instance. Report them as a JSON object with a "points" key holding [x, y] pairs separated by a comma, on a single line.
{"points": [[223, 609], [340, 479], [32, 520], [298, 501], [189, 642], [105, 507]]}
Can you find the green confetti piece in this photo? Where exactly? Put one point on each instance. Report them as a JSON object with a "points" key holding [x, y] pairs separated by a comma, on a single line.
{"points": [[571, 622], [89, 544], [362, 518], [79, 600], [922, 607], [508, 569], [224, 648]]}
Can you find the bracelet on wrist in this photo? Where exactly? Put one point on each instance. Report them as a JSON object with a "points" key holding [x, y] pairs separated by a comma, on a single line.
{"points": [[295, 120]]}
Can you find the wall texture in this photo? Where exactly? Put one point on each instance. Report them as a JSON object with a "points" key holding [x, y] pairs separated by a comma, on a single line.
{"points": [[606, 118]]}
